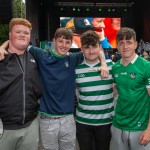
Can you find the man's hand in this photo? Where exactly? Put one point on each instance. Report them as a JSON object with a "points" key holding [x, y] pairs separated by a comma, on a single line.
{"points": [[104, 71], [145, 137], [3, 51]]}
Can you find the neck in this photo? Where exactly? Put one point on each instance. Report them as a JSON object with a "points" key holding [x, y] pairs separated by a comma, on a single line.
{"points": [[125, 61], [17, 51], [91, 62]]}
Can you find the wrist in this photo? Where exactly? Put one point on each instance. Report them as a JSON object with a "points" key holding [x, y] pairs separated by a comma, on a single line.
{"points": [[103, 64]]}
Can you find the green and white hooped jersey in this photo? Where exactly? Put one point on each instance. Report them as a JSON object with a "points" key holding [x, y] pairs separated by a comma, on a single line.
{"points": [[133, 104], [95, 100]]}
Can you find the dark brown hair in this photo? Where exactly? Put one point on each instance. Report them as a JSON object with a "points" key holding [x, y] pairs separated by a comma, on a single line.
{"points": [[89, 38], [65, 33], [126, 33]]}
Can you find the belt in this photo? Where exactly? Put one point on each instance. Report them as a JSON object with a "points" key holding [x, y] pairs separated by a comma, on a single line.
{"points": [[42, 116]]}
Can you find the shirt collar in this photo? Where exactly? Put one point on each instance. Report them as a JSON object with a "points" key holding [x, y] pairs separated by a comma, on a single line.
{"points": [[134, 59]]}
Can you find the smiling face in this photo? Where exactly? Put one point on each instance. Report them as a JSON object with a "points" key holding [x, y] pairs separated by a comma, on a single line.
{"points": [[126, 43], [62, 41], [62, 45], [19, 37], [127, 48]]}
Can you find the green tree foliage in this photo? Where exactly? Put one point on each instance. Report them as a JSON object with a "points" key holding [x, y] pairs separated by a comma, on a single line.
{"points": [[19, 9], [3, 33]]}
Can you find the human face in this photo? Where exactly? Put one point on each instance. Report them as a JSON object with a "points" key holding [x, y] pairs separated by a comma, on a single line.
{"points": [[98, 22], [62, 45], [91, 53], [19, 37], [127, 48], [116, 23], [99, 26]]}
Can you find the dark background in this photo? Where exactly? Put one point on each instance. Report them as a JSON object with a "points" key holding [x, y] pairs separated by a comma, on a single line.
{"points": [[45, 14]]}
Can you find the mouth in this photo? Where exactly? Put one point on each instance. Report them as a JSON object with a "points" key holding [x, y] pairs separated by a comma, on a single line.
{"points": [[98, 29], [63, 50], [21, 39]]}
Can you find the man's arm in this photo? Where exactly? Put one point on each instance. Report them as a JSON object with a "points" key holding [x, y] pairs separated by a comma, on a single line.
{"points": [[145, 136], [3, 51], [103, 67]]}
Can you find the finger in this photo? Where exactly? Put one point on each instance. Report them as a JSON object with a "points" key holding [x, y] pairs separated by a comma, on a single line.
{"points": [[6, 53], [106, 74], [143, 142]]}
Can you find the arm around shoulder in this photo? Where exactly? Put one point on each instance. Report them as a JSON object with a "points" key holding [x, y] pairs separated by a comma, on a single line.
{"points": [[3, 51], [103, 67]]}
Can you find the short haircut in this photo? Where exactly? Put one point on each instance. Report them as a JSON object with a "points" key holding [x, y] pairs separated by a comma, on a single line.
{"points": [[19, 21], [89, 38], [65, 33], [125, 33]]}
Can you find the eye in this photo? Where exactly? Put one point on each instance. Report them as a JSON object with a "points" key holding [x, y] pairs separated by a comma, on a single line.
{"points": [[26, 33], [120, 43], [18, 31], [68, 42], [85, 47]]}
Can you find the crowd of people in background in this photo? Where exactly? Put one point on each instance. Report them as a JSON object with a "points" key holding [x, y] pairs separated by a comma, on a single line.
{"points": [[37, 90]]}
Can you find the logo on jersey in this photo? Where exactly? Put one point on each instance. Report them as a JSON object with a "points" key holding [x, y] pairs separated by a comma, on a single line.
{"points": [[116, 75], [123, 73], [139, 124], [81, 75], [32, 60], [132, 75], [67, 64]]}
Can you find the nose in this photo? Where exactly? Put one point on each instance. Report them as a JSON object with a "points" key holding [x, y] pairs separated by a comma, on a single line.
{"points": [[102, 25], [125, 45], [22, 34], [91, 50], [64, 44]]}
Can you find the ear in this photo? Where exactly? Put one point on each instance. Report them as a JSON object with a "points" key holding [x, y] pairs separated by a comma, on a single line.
{"points": [[53, 40], [81, 49], [100, 46], [117, 47], [136, 44]]}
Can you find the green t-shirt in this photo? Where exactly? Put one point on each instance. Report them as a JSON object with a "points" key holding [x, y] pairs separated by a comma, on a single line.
{"points": [[133, 103]]}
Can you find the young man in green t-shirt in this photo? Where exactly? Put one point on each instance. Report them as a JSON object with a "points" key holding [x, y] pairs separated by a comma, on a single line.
{"points": [[131, 123]]}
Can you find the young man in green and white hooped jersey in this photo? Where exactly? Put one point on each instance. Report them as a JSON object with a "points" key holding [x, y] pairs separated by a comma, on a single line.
{"points": [[131, 123], [95, 106]]}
